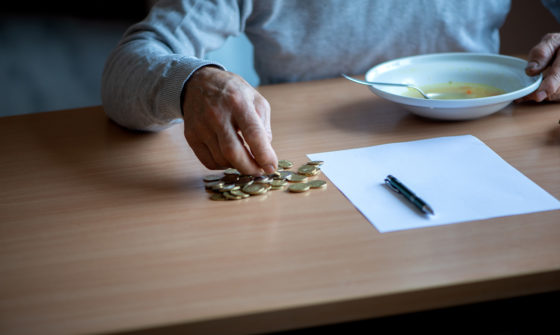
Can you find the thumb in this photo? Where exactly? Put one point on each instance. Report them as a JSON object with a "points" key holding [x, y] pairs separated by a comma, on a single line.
{"points": [[542, 54]]}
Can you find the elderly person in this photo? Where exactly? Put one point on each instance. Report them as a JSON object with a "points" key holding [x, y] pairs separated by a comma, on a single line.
{"points": [[157, 76]]}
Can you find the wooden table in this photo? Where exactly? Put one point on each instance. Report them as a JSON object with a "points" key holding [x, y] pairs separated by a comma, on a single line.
{"points": [[107, 230]]}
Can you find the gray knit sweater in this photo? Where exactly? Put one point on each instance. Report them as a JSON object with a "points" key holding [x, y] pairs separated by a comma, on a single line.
{"points": [[294, 40]]}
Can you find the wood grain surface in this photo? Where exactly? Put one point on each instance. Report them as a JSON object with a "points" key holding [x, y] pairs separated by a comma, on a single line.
{"points": [[107, 230]]}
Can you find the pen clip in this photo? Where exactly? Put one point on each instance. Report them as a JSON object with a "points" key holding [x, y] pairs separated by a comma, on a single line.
{"points": [[390, 184]]}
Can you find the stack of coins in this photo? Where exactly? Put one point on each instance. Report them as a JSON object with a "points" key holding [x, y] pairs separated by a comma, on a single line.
{"points": [[232, 185]]}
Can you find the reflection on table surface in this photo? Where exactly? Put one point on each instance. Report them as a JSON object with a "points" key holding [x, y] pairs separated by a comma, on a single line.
{"points": [[104, 229]]}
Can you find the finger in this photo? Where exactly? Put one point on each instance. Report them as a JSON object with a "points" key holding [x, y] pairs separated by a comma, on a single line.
{"points": [[551, 81], [204, 155], [542, 54], [550, 86], [225, 145], [213, 146], [205, 146], [269, 156], [235, 152], [263, 111], [537, 96], [258, 139]]}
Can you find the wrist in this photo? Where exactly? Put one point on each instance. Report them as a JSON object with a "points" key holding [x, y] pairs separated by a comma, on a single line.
{"points": [[194, 79]]}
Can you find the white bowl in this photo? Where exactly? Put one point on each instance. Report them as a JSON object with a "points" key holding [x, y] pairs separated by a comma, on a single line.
{"points": [[503, 72]]}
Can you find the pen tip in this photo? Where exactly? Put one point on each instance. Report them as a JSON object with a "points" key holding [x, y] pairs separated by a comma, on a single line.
{"points": [[428, 209]]}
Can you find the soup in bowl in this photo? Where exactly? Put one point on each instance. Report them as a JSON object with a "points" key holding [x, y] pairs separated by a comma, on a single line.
{"points": [[463, 85]]}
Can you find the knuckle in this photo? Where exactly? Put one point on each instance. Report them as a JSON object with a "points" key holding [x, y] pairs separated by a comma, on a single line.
{"points": [[261, 104], [252, 131], [237, 101], [551, 42], [552, 37], [547, 37]]}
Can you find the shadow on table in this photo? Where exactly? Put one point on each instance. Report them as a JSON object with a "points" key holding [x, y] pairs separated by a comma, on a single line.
{"points": [[383, 117], [91, 148]]}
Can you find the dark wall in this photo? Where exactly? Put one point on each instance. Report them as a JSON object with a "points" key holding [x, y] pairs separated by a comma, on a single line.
{"points": [[526, 24], [129, 10], [52, 53]]}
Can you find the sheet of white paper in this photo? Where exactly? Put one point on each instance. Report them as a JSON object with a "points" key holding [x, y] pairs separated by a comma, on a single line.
{"points": [[460, 177]]}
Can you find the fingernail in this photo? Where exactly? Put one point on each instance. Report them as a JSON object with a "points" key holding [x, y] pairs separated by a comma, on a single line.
{"points": [[269, 169], [532, 65], [532, 68], [541, 95]]}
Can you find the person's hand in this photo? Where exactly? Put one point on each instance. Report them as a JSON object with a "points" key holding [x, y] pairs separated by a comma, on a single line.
{"points": [[227, 122], [544, 58]]}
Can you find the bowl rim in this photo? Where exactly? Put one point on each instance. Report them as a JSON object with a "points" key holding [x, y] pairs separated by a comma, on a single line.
{"points": [[453, 103]]}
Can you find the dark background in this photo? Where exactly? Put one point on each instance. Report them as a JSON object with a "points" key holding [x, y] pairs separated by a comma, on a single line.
{"points": [[128, 10], [52, 52]]}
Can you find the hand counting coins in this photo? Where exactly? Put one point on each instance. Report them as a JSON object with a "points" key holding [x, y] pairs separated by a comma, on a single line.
{"points": [[232, 185]]}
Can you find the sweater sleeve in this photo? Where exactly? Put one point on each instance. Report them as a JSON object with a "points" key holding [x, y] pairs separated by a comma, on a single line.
{"points": [[554, 7], [144, 76]]}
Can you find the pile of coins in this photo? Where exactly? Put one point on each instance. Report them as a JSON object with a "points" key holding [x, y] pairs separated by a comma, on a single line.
{"points": [[232, 185]]}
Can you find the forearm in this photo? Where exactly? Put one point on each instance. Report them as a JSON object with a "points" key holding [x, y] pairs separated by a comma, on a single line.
{"points": [[144, 76], [142, 84]]}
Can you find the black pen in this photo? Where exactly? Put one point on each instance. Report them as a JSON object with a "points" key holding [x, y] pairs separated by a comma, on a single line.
{"points": [[399, 187]]}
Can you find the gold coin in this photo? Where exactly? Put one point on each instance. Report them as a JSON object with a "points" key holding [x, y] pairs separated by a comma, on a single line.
{"points": [[275, 175], [277, 184], [239, 193], [299, 187], [230, 178], [317, 183], [306, 167], [285, 174], [217, 197], [297, 178], [232, 185], [212, 177], [255, 189], [231, 196], [229, 187], [244, 180], [218, 188], [285, 164], [231, 171], [213, 184], [308, 170], [262, 180]]}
